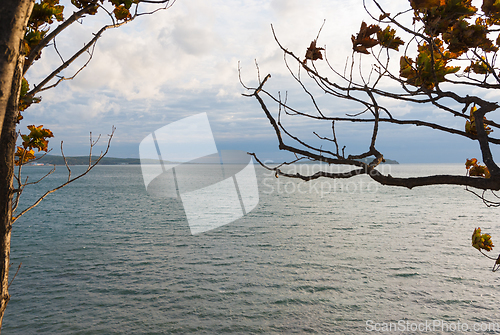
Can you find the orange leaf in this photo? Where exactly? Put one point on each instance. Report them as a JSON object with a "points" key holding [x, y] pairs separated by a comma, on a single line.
{"points": [[362, 42], [313, 52]]}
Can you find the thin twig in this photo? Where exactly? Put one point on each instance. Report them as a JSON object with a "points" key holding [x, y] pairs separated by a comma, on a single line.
{"points": [[18, 268], [89, 168]]}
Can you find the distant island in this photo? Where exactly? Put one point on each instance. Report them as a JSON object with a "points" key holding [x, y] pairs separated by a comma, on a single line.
{"points": [[84, 160]]}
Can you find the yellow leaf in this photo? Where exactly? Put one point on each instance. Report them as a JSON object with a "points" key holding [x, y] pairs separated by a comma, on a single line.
{"points": [[481, 241]]}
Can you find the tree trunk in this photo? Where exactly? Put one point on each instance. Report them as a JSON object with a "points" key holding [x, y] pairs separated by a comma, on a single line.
{"points": [[14, 15]]}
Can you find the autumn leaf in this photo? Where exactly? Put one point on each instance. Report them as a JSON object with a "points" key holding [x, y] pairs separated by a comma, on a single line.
{"points": [[37, 138], [313, 52], [491, 8], [479, 171], [46, 11], [481, 241], [470, 162], [32, 38], [439, 19], [474, 169], [387, 38], [430, 67], [84, 3], [362, 42], [126, 3], [462, 36], [25, 101], [122, 13], [406, 70], [469, 128], [470, 125], [22, 156], [478, 67]]}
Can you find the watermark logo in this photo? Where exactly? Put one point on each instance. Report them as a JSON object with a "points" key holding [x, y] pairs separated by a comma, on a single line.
{"points": [[180, 160], [441, 326]]}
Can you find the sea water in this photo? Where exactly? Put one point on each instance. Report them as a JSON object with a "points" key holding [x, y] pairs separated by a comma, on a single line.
{"points": [[101, 256]]}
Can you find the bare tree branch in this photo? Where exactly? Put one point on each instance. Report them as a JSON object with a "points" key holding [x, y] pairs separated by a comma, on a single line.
{"points": [[89, 168], [368, 94], [41, 85], [86, 47], [43, 43]]}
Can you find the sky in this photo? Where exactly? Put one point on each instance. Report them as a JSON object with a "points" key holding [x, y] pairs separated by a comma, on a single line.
{"points": [[183, 61]]}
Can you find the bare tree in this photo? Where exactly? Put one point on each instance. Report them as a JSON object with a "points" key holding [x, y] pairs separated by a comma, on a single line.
{"points": [[27, 27], [449, 50]]}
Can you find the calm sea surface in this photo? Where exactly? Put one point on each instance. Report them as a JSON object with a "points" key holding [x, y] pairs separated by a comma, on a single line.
{"points": [[101, 256]]}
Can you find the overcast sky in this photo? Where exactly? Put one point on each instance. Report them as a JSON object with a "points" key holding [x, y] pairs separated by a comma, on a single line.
{"points": [[183, 61]]}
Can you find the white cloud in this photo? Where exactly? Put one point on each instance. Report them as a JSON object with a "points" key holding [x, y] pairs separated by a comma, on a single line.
{"points": [[196, 40], [192, 40]]}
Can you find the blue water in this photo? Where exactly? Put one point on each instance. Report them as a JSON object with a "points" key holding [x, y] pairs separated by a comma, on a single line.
{"points": [[101, 256]]}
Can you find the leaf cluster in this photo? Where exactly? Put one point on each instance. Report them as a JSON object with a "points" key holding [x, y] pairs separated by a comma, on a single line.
{"points": [[439, 16], [492, 9], [448, 30], [24, 99], [43, 15], [430, 66], [470, 125], [36, 139], [463, 36], [372, 35], [479, 67], [481, 241], [474, 169], [121, 9]]}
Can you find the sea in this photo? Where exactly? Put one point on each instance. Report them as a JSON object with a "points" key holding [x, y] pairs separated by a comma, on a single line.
{"points": [[103, 256]]}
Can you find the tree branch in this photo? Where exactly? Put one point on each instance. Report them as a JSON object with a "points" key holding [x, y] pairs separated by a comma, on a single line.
{"points": [[44, 42], [73, 18], [44, 82], [89, 168]]}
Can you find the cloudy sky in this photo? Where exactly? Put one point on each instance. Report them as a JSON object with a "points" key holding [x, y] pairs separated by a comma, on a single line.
{"points": [[183, 61]]}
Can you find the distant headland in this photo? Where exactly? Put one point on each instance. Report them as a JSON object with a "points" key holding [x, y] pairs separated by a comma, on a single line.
{"points": [[84, 160]]}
